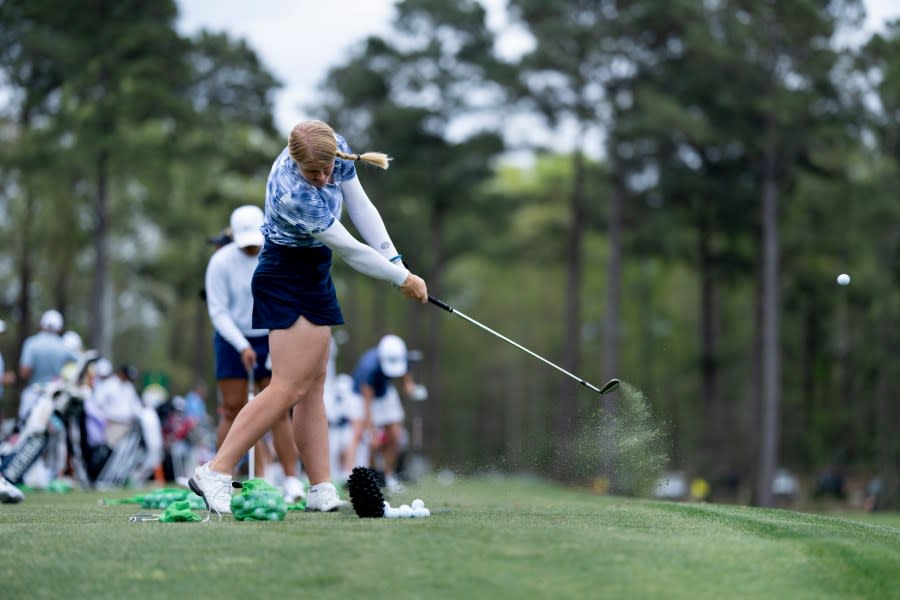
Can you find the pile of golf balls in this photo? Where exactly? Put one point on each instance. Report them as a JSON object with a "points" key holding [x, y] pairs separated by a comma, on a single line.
{"points": [[406, 511]]}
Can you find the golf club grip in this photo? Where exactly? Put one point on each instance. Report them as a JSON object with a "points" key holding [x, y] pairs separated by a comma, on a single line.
{"points": [[440, 303]]}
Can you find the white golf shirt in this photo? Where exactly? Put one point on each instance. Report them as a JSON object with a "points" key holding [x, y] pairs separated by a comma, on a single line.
{"points": [[228, 296]]}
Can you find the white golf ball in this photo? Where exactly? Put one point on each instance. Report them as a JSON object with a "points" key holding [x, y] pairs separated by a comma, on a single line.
{"points": [[417, 503], [843, 279], [391, 513], [421, 512], [404, 512]]}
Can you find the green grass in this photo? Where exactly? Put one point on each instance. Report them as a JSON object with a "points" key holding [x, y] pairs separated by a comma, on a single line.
{"points": [[499, 538]]}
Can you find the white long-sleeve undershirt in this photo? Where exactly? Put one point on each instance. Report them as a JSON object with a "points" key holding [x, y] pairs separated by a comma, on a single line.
{"points": [[228, 296], [366, 218], [361, 257]]}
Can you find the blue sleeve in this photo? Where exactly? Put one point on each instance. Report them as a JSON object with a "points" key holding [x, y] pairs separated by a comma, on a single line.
{"points": [[363, 372], [27, 360]]}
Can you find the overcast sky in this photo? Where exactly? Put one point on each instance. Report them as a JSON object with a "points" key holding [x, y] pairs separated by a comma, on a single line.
{"points": [[299, 40]]}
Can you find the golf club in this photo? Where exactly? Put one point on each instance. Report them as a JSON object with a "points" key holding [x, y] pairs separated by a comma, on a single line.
{"points": [[607, 387], [251, 393]]}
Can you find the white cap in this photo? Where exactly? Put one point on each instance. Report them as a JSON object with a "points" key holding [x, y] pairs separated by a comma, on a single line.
{"points": [[72, 341], [52, 321], [392, 356], [103, 368], [246, 222]]}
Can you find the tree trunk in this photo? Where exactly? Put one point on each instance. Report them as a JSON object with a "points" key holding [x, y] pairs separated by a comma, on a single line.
{"points": [[613, 302], [567, 407], [101, 259], [769, 434], [716, 425], [614, 280], [26, 275], [26, 264]]}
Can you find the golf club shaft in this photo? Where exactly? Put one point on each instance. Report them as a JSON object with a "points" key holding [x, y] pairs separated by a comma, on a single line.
{"points": [[611, 385]]}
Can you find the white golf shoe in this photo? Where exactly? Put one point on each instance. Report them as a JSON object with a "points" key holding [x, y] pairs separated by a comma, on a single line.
{"points": [[214, 488], [323, 497], [293, 490], [9, 494]]}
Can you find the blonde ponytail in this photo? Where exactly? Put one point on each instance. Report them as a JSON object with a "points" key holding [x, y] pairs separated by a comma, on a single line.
{"points": [[378, 159]]}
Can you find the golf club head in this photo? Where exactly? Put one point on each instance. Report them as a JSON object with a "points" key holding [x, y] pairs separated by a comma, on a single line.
{"points": [[611, 385]]}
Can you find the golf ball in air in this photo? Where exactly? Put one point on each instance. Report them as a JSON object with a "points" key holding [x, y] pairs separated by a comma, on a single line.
{"points": [[417, 503], [843, 279]]}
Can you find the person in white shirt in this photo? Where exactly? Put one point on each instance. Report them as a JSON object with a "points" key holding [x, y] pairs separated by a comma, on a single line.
{"points": [[117, 400], [239, 347]]}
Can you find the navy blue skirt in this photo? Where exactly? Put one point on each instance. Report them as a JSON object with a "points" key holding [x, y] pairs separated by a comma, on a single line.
{"points": [[292, 282]]}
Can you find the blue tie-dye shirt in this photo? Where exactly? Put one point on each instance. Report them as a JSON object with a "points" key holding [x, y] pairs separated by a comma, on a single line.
{"points": [[295, 208]]}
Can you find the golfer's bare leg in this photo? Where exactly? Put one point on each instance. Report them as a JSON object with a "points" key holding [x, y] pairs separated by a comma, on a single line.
{"points": [[390, 447], [234, 396], [299, 357], [283, 439]]}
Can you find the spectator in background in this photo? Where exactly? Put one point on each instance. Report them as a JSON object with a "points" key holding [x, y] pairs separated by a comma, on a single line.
{"points": [[220, 240], [381, 412], [43, 356], [73, 343], [177, 430], [334, 397], [117, 400], [195, 404], [95, 420]]}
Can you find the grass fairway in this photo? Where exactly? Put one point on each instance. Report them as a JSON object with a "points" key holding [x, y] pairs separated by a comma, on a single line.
{"points": [[498, 538]]}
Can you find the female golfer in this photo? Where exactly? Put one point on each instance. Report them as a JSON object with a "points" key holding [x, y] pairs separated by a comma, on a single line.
{"points": [[294, 297]]}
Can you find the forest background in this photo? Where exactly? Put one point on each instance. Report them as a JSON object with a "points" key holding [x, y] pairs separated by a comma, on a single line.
{"points": [[746, 158]]}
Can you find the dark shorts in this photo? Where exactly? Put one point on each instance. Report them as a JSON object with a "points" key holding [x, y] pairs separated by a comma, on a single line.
{"points": [[292, 282], [228, 360]]}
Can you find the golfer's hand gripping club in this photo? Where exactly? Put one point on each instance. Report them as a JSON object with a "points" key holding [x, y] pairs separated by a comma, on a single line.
{"points": [[414, 287], [607, 387]]}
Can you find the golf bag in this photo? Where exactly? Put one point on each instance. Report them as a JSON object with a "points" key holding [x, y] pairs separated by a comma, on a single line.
{"points": [[132, 460], [21, 450]]}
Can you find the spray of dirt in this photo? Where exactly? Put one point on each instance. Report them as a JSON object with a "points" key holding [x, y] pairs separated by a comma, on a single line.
{"points": [[623, 444]]}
